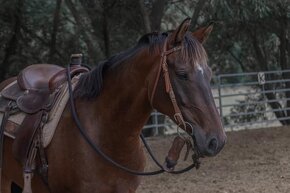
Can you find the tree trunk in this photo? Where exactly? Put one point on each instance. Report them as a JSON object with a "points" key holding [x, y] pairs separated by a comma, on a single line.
{"points": [[262, 62], [157, 14], [91, 8], [82, 29], [146, 19], [199, 6], [106, 35], [283, 57], [276, 105], [12, 44], [56, 18]]}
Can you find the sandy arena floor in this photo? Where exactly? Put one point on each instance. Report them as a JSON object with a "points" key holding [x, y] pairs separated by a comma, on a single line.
{"points": [[253, 161]]}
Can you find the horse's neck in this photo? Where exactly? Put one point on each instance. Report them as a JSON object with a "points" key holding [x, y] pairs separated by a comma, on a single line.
{"points": [[123, 107]]}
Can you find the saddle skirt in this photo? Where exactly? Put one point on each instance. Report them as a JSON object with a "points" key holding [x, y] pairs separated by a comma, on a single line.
{"points": [[58, 100]]}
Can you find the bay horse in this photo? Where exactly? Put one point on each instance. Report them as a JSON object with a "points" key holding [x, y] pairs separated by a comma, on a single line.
{"points": [[164, 71]]}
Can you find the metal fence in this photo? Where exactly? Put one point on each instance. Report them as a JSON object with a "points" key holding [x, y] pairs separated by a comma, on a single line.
{"points": [[251, 100], [244, 100]]}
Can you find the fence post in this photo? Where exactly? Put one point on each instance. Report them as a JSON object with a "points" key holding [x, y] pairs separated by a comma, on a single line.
{"points": [[262, 81], [220, 98], [155, 123]]}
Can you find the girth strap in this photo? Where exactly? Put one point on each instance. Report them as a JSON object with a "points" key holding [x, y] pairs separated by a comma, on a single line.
{"points": [[26, 138]]}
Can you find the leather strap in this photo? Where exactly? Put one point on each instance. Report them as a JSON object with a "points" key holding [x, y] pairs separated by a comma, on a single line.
{"points": [[25, 140], [168, 86], [2, 127], [27, 176], [102, 154], [174, 153]]}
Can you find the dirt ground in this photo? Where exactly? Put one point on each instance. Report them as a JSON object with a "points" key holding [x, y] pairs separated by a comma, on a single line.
{"points": [[253, 161]]}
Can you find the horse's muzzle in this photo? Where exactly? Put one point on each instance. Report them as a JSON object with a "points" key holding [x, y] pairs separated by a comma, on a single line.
{"points": [[208, 146]]}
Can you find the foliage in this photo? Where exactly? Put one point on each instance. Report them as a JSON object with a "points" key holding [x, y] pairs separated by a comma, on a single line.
{"points": [[249, 35], [247, 110]]}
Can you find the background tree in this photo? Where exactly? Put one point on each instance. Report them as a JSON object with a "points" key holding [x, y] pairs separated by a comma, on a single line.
{"points": [[257, 34], [249, 35]]}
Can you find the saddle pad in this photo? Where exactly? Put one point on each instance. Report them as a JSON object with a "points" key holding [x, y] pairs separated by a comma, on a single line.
{"points": [[13, 123], [15, 120], [56, 112]]}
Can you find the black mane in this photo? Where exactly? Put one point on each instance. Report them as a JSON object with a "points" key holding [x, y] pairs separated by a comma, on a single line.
{"points": [[90, 84]]}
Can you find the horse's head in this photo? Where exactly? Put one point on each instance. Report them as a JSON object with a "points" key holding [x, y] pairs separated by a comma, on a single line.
{"points": [[183, 69]]}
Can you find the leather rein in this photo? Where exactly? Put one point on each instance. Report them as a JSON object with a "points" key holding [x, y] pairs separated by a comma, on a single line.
{"points": [[177, 116]]}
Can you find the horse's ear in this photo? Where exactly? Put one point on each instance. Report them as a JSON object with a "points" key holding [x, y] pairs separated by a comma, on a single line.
{"points": [[202, 33], [178, 34]]}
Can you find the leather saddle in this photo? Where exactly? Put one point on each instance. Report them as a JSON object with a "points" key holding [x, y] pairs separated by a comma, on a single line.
{"points": [[37, 85], [34, 94]]}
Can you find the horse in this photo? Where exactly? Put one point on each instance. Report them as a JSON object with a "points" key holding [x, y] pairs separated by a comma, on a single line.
{"points": [[163, 71]]}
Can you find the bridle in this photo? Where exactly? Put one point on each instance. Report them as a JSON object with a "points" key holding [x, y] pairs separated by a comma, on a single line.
{"points": [[188, 128], [168, 87], [177, 116]]}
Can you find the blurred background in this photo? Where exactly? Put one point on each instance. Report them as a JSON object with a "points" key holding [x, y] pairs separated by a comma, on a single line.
{"points": [[249, 35]]}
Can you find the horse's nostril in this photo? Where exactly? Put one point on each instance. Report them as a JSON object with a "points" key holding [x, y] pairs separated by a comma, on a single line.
{"points": [[212, 145]]}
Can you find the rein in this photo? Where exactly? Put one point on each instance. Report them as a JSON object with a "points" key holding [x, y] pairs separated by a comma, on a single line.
{"points": [[178, 117]]}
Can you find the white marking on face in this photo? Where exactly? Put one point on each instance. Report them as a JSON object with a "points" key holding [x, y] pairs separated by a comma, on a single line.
{"points": [[200, 68]]}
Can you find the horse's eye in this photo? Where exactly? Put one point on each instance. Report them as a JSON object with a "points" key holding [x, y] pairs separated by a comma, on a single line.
{"points": [[182, 75]]}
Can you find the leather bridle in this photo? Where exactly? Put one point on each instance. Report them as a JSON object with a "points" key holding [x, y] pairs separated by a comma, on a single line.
{"points": [[181, 123], [168, 87], [177, 116]]}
